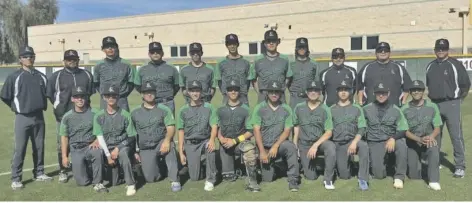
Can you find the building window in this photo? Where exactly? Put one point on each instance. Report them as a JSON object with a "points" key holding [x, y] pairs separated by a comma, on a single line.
{"points": [[263, 48], [372, 42], [253, 48], [183, 51], [174, 52], [356, 43]]}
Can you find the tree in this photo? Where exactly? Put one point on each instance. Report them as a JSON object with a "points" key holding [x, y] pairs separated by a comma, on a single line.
{"points": [[16, 16]]}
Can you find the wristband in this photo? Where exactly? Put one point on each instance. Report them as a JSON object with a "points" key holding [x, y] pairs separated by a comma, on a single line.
{"points": [[241, 138], [234, 141]]}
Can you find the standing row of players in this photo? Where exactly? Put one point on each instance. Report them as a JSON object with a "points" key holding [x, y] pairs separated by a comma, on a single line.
{"points": [[28, 99]]}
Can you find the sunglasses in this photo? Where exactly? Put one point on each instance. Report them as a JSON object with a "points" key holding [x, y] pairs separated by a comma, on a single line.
{"points": [[233, 89], [27, 57], [386, 50]]}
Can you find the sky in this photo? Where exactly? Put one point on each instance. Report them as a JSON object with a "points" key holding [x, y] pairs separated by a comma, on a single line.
{"points": [[77, 10]]}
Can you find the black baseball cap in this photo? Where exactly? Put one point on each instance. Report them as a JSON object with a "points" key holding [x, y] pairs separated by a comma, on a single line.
{"points": [[26, 51], [195, 47], [380, 88], [148, 86], [301, 42], [313, 85], [345, 85], [71, 54], [441, 44], [110, 89], [382, 46], [337, 52], [417, 84], [270, 35], [109, 40], [79, 91], [155, 46], [231, 39], [274, 85], [233, 84], [194, 85]]}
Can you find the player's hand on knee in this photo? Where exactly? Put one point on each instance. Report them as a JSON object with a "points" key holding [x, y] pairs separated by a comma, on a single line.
{"points": [[273, 151], [137, 157], [390, 145], [165, 147], [111, 162], [228, 143], [183, 159], [264, 157], [211, 146], [114, 153], [312, 152], [352, 149]]}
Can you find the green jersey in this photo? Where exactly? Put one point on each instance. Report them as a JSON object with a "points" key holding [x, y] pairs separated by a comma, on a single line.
{"points": [[312, 123], [422, 119], [234, 69], [204, 74], [234, 120], [272, 122], [117, 72], [151, 124], [164, 76], [383, 122], [78, 126], [115, 128], [348, 121], [266, 70], [303, 71], [196, 121]]}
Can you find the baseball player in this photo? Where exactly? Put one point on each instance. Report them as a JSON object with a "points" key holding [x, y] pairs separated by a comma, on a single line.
{"points": [[349, 127], [155, 126], [333, 76], [234, 67], [198, 127], [76, 132], [424, 121], [164, 76], [272, 122], [392, 74], [312, 132], [271, 66], [24, 91], [114, 70], [115, 132], [199, 71], [304, 69], [448, 84], [234, 128], [59, 91], [386, 127]]}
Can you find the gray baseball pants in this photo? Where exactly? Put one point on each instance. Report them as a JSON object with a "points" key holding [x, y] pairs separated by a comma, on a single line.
{"points": [[151, 166], [377, 152], [343, 160], [309, 168], [414, 163], [123, 162], [288, 152], [81, 160], [28, 126], [59, 148], [193, 152], [227, 157]]}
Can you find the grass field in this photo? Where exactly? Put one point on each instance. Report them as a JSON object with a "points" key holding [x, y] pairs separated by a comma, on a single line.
{"points": [[380, 190]]}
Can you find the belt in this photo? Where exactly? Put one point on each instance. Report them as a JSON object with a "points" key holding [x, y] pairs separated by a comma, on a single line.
{"points": [[79, 145], [163, 100], [193, 141]]}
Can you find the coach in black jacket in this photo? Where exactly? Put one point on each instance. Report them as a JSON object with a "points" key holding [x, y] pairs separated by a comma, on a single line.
{"points": [[59, 92]]}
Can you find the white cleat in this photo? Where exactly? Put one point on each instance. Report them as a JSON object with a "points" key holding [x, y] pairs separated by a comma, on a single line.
{"points": [[208, 186], [130, 190], [329, 185], [398, 184], [435, 186]]}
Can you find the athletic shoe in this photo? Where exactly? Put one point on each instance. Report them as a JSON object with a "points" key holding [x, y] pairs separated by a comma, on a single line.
{"points": [[398, 184], [459, 173], [363, 185], [293, 186], [63, 178], [100, 188], [329, 185], [130, 190], [208, 186], [435, 186], [43, 178], [17, 185], [175, 187]]}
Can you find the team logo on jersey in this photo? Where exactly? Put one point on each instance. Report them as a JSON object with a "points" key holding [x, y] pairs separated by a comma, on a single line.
{"points": [[445, 72], [109, 40], [381, 85], [274, 85], [343, 82], [393, 72], [111, 89], [347, 76], [302, 41], [79, 89], [416, 83]]}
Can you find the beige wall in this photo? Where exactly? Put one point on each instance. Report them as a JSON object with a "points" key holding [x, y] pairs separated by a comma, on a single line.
{"points": [[326, 23]]}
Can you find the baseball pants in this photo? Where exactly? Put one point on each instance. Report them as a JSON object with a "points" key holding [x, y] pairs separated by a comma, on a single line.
{"points": [[28, 126], [122, 103], [193, 152], [288, 152], [414, 163], [242, 98], [59, 148], [151, 166], [81, 160], [261, 97], [227, 157], [309, 167], [377, 152], [451, 116], [343, 160], [124, 162], [295, 99]]}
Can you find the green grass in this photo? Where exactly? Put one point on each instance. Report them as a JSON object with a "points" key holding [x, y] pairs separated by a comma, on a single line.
{"points": [[380, 190]]}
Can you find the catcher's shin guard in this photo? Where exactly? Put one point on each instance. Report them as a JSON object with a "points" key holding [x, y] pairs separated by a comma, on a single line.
{"points": [[250, 161]]}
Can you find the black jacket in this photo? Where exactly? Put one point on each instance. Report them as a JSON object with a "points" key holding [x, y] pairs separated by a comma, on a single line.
{"points": [[60, 85], [447, 80]]}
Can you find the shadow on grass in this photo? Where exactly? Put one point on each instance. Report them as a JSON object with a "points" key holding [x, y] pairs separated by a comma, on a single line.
{"points": [[446, 163]]}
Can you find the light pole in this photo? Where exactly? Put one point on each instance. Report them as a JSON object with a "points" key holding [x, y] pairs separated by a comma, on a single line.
{"points": [[463, 13], [150, 35], [63, 42]]}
